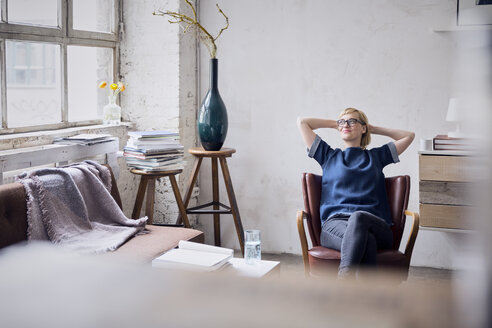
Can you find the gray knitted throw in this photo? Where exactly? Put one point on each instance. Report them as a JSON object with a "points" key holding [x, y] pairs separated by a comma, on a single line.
{"points": [[72, 206]]}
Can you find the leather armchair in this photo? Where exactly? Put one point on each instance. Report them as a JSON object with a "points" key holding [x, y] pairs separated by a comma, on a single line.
{"points": [[319, 260]]}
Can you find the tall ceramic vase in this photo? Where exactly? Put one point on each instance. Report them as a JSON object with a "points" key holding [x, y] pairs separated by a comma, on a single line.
{"points": [[212, 117]]}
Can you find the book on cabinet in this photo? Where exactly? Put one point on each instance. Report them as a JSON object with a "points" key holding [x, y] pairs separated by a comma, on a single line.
{"points": [[443, 142]]}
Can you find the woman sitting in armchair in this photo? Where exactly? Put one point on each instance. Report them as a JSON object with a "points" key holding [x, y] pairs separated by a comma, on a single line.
{"points": [[354, 208]]}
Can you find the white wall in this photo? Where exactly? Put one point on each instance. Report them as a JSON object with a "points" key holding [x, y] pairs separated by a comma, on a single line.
{"points": [[282, 59], [158, 65], [286, 58]]}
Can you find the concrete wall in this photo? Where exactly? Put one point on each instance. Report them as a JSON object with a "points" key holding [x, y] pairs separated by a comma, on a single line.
{"points": [[158, 65], [282, 59]]}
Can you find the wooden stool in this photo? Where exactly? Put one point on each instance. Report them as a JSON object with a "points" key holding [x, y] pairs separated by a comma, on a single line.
{"points": [[222, 154], [147, 181]]}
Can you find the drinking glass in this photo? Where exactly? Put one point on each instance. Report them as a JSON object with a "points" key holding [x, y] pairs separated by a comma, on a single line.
{"points": [[252, 251]]}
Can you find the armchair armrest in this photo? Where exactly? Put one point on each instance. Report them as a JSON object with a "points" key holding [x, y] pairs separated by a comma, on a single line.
{"points": [[413, 233], [301, 215]]}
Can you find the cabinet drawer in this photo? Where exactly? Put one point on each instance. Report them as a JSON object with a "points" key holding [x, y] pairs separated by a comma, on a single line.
{"points": [[445, 192], [444, 168], [447, 216]]}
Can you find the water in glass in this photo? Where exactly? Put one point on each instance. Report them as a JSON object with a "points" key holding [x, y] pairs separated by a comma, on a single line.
{"points": [[252, 250]]}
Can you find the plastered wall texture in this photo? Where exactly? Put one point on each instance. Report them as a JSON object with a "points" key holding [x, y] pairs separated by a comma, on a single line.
{"points": [[279, 60], [159, 67], [284, 59]]}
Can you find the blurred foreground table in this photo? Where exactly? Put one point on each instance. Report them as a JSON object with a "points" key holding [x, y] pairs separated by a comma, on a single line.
{"points": [[257, 270]]}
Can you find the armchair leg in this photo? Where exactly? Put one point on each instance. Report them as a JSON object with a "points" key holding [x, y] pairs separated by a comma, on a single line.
{"points": [[413, 233], [303, 239]]}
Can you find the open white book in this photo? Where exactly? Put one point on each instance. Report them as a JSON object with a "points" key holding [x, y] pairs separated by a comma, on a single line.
{"points": [[194, 256]]}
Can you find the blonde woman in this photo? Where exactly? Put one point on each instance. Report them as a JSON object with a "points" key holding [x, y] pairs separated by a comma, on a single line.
{"points": [[354, 208]]}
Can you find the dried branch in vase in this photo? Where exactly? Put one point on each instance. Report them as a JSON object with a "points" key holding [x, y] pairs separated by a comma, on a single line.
{"points": [[192, 22]]}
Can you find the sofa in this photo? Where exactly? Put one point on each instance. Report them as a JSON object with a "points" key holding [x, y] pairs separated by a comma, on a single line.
{"points": [[140, 248]]}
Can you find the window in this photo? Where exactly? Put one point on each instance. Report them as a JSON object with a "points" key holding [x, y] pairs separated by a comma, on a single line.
{"points": [[33, 83], [85, 19], [30, 63], [85, 101], [53, 53], [26, 12]]}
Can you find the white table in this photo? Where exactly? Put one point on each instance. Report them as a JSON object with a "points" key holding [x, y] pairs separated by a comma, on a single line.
{"points": [[260, 269]]}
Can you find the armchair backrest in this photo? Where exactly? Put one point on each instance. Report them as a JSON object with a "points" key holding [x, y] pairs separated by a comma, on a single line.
{"points": [[397, 189], [311, 190], [398, 192]]}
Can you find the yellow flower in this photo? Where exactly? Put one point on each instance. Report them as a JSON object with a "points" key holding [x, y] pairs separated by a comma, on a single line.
{"points": [[115, 88]]}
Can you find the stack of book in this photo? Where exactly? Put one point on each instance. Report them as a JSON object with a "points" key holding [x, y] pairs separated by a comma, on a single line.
{"points": [[154, 151], [443, 142], [84, 139]]}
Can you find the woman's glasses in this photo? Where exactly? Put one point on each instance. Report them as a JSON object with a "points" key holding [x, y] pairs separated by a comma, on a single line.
{"points": [[350, 122]]}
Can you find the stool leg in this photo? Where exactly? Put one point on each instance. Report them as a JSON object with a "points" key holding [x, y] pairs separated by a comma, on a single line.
{"points": [[232, 202], [191, 184], [149, 208], [140, 197], [215, 191], [179, 201]]}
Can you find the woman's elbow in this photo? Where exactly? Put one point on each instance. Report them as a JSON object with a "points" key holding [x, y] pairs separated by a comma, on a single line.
{"points": [[300, 121]]}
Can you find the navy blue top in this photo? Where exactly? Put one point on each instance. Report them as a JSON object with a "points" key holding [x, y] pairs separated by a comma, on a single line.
{"points": [[353, 179]]}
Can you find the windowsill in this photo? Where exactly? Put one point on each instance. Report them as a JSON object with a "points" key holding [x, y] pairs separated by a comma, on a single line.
{"points": [[38, 138]]}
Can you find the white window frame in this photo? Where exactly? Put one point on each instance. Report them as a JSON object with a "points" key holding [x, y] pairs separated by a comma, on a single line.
{"points": [[63, 35]]}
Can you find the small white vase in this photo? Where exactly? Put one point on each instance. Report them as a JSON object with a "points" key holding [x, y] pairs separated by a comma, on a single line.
{"points": [[112, 112]]}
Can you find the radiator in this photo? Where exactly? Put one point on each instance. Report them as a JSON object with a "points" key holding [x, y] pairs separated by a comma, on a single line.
{"points": [[16, 161]]}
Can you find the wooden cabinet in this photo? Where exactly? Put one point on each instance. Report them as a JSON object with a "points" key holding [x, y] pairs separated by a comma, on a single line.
{"points": [[445, 190]]}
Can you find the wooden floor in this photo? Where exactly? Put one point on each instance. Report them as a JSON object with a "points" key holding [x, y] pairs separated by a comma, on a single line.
{"points": [[292, 264], [429, 292]]}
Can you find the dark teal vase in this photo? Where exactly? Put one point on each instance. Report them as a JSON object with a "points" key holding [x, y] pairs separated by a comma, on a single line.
{"points": [[212, 117]]}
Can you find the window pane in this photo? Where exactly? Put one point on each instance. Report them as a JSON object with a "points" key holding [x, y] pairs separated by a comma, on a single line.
{"points": [[34, 12], [93, 15], [21, 53], [87, 66], [33, 91]]}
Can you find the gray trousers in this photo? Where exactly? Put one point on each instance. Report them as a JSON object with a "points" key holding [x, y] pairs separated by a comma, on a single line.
{"points": [[357, 237]]}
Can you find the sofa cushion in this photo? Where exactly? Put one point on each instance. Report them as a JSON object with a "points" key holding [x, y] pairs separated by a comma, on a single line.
{"points": [[145, 247]]}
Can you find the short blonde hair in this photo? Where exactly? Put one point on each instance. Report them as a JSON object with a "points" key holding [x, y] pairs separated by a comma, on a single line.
{"points": [[366, 137]]}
